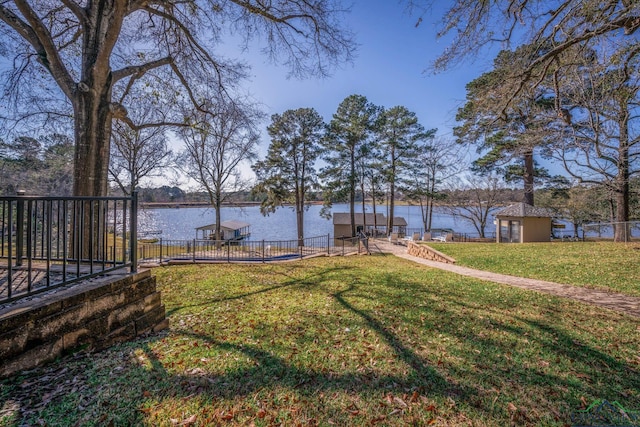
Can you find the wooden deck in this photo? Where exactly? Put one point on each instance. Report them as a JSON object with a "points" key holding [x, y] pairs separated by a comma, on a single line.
{"points": [[25, 280]]}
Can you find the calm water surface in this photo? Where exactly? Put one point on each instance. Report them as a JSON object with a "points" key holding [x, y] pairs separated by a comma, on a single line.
{"points": [[281, 225]]}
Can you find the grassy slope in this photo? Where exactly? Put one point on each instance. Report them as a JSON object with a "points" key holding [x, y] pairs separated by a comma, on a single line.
{"points": [[603, 265], [343, 341]]}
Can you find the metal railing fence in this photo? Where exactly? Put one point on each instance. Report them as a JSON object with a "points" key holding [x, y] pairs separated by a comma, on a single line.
{"points": [[457, 237], [166, 250], [626, 231], [47, 242]]}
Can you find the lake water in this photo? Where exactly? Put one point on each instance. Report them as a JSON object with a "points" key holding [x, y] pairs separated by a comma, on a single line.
{"points": [[180, 224]]}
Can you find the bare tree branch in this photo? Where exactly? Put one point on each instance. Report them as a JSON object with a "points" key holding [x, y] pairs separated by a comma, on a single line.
{"points": [[76, 9], [140, 70], [40, 39]]}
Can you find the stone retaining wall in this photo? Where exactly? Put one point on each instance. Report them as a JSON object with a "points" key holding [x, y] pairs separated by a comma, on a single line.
{"points": [[97, 314], [427, 252]]}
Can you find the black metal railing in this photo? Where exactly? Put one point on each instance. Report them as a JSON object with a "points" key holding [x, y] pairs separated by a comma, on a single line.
{"points": [[623, 231], [164, 250], [437, 233], [48, 242], [346, 245]]}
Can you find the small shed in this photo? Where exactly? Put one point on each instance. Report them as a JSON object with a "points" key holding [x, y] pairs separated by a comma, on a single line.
{"points": [[399, 226], [375, 225], [342, 223], [229, 230], [521, 223]]}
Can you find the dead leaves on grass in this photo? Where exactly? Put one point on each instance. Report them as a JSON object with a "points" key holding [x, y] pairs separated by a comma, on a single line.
{"points": [[186, 422], [290, 409], [403, 406]]}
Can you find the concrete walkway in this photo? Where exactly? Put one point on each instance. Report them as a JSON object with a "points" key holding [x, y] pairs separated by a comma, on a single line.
{"points": [[613, 301]]}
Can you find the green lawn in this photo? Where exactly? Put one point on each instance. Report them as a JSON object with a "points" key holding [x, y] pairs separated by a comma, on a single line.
{"points": [[369, 340], [603, 265]]}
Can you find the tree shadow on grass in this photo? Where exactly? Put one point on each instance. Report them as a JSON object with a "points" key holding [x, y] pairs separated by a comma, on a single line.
{"points": [[547, 395], [290, 282], [270, 370], [421, 367], [546, 364], [266, 379]]}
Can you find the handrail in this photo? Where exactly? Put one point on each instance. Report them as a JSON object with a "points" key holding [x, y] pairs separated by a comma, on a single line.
{"points": [[48, 242], [194, 251]]}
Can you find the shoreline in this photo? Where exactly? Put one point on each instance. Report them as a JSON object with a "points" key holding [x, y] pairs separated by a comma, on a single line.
{"points": [[178, 205]]}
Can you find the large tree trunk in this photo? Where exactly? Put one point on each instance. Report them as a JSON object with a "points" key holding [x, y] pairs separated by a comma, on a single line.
{"points": [[300, 214], [622, 213], [352, 194], [92, 96], [364, 214], [432, 192], [375, 219], [622, 188], [392, 196], [424, 213], [93, 134], [91, 165], [528, 178], [622, 183], [218, 230], [300, 223], [217, 204], [392, 192]]}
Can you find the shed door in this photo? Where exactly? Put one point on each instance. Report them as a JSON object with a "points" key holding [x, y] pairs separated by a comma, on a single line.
{"points": [[510, 231], [514, 232], [504, 231]]}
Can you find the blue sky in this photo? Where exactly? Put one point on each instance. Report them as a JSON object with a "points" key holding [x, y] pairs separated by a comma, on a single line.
{"points": [[389, 70]]}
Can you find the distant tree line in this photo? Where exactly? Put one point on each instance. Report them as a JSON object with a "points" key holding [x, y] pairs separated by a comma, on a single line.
{"points": [[43, 167], [37, 165]]}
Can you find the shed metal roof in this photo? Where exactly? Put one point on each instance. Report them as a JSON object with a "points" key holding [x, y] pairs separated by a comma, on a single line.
{"points": [[230, 225], [398, 220], [344, 218], [524, 210]]}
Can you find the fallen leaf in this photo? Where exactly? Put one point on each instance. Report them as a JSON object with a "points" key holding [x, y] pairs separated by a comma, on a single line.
{"points": [[379, 419], [584, 402], [189, 421], [353, 409], [400, 402], [511, 407]]}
